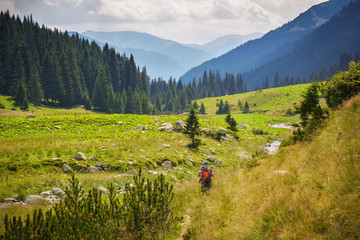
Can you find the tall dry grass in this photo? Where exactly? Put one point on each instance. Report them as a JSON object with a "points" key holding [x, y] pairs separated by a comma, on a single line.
{"points": [[307, 191]]}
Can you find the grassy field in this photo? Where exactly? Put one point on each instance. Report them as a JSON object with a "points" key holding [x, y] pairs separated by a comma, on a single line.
{"points": [[307, 191], [274, 101]]}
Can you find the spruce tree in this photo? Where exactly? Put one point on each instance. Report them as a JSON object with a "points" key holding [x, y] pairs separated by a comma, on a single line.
{"points": [[192, 128], [246, 108], [231, 121], [202, 109]]}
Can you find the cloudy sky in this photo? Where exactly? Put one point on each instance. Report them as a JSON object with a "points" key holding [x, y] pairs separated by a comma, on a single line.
{"points": [[185, 21]]}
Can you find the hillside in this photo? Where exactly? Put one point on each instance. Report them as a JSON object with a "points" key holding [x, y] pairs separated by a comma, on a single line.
{"points": [[307, 191], [274, 101], [272, 45]]}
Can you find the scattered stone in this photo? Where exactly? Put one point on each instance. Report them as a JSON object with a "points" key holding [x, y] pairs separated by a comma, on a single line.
{"points": [[167, 164], [56, 159], [45, 194], [184, 114], [36, 200], [79, 156], [272, 148], [189, 173], [155, 173], [10, 200], [166, 146], [58, 192], [131, 155], [116, 184], [212, 150], [211, 159], [244, 126], [120, 123], [143, 157], [155, 164], [281, 125], [130, 163], [93, 158], [103, 190], [114, 145], [102, 148], [99, 165], [132, 172], [66, 168], [30, 116], [156, 120], [140, 127], [219, 162], [92, 169], [58, 127], [101, 131], [166, 127], [179, 126]]}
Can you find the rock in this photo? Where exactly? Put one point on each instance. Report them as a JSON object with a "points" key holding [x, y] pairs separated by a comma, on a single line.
{"points": [[130, 163], [219, 162], [155, 164], [244, 126], [66, 168], [114, 145], [167, 164], [281, 172], [92, 169], [10, 200], [179, 126], [79, 156], [93, 158], [56, 159], [132, 172], [58, 127], [211, 159], [272, 148], [99, 165], [58, 192], [116, 184], [166, 145], [30, 116], [83, 170], [101, 131], [140, 127], [131, 155], [36, 200], [103, 190], [166, 127], [120, 123], [156, 120], [102, 148], [45, 194]]}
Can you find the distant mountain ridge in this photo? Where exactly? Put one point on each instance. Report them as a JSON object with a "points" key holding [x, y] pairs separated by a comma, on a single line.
{"points": [[272, 45], [165, 58]]}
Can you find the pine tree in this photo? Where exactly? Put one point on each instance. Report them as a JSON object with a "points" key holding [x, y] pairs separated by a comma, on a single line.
{"points": [[192, 128], [35, 90], [231, 121], [246, 108], [202, 109], [196, 106], [221, 107]]}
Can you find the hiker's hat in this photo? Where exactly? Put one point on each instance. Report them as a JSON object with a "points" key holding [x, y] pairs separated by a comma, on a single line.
{"points": [[206, 163]]}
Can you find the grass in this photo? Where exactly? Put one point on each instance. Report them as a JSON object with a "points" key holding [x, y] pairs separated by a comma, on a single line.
{"points": [[316, 196], [274, 101]]}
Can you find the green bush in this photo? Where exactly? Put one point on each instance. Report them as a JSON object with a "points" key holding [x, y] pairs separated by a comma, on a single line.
{"points": [[143, 212]]}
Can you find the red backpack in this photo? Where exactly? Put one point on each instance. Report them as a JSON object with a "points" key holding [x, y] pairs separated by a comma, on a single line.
{"points": [[205, 172]]}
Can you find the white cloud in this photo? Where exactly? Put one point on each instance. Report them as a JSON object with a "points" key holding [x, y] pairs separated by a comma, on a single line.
{"points": [[8, 5]]}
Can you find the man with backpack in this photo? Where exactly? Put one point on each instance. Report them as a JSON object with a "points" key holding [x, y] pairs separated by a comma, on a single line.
{"points": [[205, 173]]}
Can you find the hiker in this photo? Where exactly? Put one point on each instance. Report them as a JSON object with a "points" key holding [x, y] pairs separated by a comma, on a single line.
{"points": [[205, 173]]}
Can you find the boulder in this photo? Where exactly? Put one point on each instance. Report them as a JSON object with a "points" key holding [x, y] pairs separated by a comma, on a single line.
{"points": [[45, 194], [132, 172], [103, 190], [99, 165], [179, 126], [166, 127], [66, 168], [167, 164], [130, 163], [102, 148], [92, 169], [30, 116], [93, 158], [211, 159], [10, 200], [58, 192], [120, 123], [36, 200], [79, 156], [166, 146], [114, 145], [140, 127]]}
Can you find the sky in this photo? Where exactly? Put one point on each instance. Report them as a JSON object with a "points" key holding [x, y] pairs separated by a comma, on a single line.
{"points": [[184, 21]]}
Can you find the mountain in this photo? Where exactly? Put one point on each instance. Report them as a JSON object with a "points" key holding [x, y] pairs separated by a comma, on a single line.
{"points": [[272, 45], [320, 49], [165, 58], [226, 43]]}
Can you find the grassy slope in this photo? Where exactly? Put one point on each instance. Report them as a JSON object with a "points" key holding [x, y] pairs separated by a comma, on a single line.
{"points": [[274, 100], [317, 198]]}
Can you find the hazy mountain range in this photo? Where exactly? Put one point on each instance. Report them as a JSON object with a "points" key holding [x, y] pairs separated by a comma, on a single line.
{"points": [[272, 45], [165, 58]]}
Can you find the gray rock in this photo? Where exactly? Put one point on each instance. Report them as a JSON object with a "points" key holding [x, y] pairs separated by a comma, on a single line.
{"points": [[120, 123], [66, 168], [179, 126], [99, 165], [167, 164], [116, 184], [79, 156], [132, 172], [244, 126], [140, 127], [58, 192], [30, 116], [130, 163], [92, 169], [281, 172], [103, 190], [10, 200], [102, 148], [83, 170], [56, 159], [93, 158], [131, 155], [36, 200], [211, 159], [58, 127], [101, 131], [166, 145], [45, 194], [156, 120], [166, 127], [114, 145]]}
